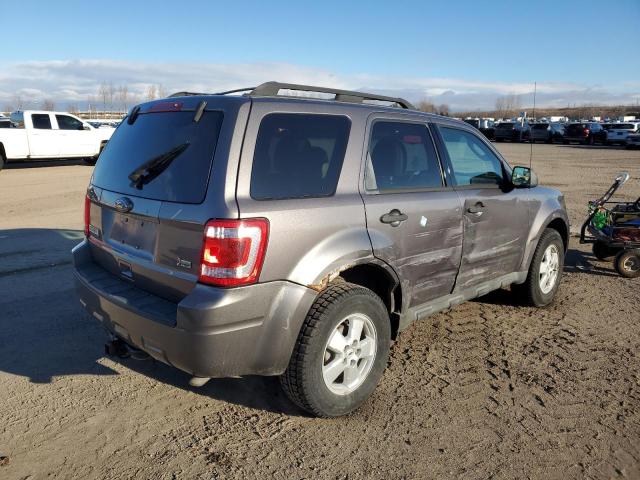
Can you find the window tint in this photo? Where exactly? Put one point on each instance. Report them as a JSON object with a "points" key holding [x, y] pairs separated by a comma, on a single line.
{"points": [[41, 121], [298, 155], [471, 159], [151, 136], [402, 156], [66, 122]]}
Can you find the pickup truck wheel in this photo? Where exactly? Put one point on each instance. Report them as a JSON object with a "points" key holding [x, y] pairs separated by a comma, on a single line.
{"points": [[90, 160], [543, 279], [2, 160], [341, 351]]}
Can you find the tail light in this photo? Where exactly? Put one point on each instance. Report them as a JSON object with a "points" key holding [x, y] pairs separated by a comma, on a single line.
{"points": [[586, 132], [87, 215], [233, 251]]}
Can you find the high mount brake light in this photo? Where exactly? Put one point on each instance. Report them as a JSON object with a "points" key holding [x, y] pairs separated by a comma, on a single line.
{"points": [[233, 251], [166, 107], [87, 215]]}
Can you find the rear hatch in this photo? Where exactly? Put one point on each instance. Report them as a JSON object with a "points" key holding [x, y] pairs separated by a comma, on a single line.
{"points": [[620, 131], [540, 130], [576, 130], [505, 129], [147, 192]]}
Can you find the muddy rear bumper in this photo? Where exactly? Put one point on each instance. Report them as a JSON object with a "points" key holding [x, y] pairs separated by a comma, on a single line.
{"points": [[212, 332]]}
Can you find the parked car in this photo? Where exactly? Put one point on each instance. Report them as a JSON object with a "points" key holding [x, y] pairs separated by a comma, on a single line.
{"points": [[50, 135], [619, 132], [633, 140], [486, 126], [512, 131], [265, 234], [547, 132], [586, 133]]}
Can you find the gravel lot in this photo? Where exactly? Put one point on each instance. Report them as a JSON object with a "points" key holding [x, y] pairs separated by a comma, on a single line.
{"points": [[488, 390]]}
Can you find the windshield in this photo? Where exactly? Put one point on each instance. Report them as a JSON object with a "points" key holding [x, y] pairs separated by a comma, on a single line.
{"points": [[150, 158]]}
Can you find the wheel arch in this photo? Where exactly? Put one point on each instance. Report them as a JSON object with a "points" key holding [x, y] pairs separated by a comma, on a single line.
{"points": [[381, 281]]}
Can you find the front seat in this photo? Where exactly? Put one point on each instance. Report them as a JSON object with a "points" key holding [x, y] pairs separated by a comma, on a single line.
{"points": [[388, 159]]}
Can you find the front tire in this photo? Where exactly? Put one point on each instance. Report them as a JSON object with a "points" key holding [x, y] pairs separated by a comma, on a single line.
{"points": [[543, 279], [627, 263], [341, 351]]}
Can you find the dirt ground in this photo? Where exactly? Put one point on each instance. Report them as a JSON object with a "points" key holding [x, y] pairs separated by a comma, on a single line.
{"points": [[488, 390]]}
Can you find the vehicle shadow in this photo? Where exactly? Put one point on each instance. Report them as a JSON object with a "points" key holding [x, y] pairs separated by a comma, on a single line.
{"points": [[594, 147], [255, 392], [44, 334], [47, 334], [20, 164], [576, 261]]}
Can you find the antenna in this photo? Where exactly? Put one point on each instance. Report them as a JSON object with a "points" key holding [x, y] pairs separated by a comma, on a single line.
{"points": [[531, 142]]}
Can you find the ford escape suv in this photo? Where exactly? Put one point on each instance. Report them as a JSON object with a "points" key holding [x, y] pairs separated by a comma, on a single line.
{"points": [[274, 233]]}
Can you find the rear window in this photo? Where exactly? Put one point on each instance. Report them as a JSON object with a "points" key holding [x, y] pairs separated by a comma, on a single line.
{"points": [[152, 135], [41, 121], [298, 155], [505, 126]]}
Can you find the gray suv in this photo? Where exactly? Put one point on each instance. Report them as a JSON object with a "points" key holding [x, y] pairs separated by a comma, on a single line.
{"points": [[273, 233]]}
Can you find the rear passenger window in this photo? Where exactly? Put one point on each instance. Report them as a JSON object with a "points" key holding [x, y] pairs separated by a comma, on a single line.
{"points": [[298, 155], [472, 161], [41, 121], [402, 157]]}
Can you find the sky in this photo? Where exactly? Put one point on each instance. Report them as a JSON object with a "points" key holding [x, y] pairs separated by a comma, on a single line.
{"points": [[462, 53]]}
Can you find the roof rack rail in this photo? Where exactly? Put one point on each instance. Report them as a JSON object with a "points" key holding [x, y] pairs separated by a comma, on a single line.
{"points": [[271, 89]]}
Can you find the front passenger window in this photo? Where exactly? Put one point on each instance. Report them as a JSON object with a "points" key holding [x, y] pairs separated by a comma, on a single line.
{"points": [[472, 161], [66, 122]]}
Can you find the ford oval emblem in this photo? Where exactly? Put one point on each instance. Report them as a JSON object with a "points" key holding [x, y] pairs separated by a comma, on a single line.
{"points": [[123, 204]]}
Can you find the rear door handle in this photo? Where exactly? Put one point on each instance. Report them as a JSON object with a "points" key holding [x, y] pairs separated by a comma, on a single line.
{"points": [[477, 209], [394, 217]]}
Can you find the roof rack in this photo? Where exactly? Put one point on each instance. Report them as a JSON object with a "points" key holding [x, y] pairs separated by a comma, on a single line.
{"points": [[272, 89]]}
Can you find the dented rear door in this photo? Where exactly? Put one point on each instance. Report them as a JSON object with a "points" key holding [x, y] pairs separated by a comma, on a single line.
{"points": [[414, 219]]}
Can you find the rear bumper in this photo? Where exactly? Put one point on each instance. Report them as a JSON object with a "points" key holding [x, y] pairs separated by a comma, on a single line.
{"points": [[212, 332]]}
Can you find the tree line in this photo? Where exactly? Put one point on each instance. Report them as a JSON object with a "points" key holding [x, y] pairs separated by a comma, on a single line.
{"points": [[109, 98]]}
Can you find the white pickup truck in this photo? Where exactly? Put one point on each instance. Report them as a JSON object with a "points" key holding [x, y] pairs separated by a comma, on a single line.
{"points": [[35, 135]]}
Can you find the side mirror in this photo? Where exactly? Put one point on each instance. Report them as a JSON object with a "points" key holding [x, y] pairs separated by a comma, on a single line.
{"points": [[523, 177]]}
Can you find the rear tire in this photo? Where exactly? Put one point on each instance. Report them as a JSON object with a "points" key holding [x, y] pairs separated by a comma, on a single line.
{"points": [[90, 160], [545, 271], [341, 351], [3, 160], [627, 263]]}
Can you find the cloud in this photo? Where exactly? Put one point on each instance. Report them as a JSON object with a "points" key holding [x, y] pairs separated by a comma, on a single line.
{"points": [[73, 81]]}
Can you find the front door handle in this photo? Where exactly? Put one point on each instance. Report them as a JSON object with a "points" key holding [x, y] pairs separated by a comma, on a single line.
{"points": [[394, 217], [477, 209]]}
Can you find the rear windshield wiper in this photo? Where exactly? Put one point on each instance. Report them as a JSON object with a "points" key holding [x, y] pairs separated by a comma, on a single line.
{"points": [[154, 167]]}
